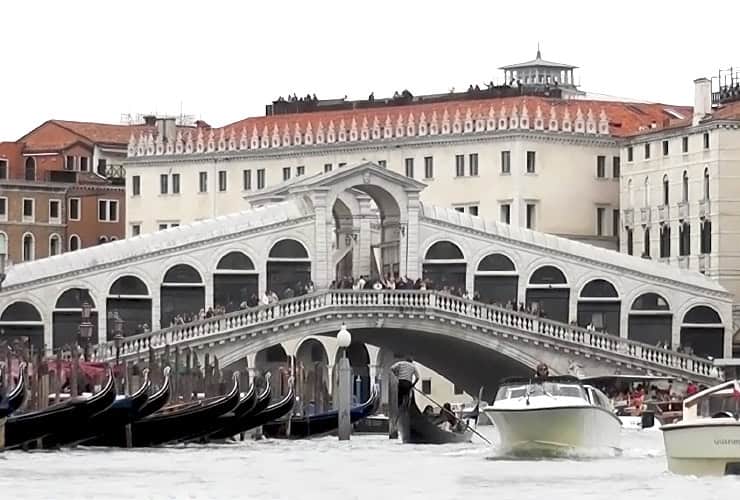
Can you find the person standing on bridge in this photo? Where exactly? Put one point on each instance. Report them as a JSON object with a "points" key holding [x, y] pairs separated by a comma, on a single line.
{"points": [[407, 376]]}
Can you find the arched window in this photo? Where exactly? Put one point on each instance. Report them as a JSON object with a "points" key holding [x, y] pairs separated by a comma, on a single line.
{"points": [[496, 262], [548, 275], [650, 302], [599, 289], [30, 168], [706, 236], [182, 273], [630, 196], [646, 193], [55, 245], [685, 186], [702, 315], [288, 249], [29, 247], [702, 332], [128, 285], [74, 243], [666, 198], [102, 239], [706, 183], [20, 311], [684, 239], [235, 261], [444, 250], [665, 240]]}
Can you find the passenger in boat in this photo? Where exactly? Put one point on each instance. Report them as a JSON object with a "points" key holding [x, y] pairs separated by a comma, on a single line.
{"points": [[447, 420], [542, 371], [428, 411], [407, 376]]}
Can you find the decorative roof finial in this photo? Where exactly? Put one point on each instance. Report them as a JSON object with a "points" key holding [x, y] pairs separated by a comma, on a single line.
{"points": [[539, 56]]}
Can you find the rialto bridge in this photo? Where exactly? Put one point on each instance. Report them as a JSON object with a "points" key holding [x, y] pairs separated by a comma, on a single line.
{"points": [[366, 220]]}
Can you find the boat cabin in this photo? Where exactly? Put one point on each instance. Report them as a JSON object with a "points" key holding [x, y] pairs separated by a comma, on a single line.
{"points": [[562, 386], [720, 401]]}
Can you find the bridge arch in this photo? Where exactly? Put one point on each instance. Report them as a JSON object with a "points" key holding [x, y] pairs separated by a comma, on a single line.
{"points": [[651, 320], [405, 336], [360, 362], [67, 315], [599, 305], [22, 321], [702, 331], [444, 265], [311, 371], [496, 279], [274, 360], [288, 267], [182, 293], [235, 280], [548, 292], [129, 297]]}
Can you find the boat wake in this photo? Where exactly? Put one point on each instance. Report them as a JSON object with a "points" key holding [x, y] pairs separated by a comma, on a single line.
{"points": [[561, 453]]}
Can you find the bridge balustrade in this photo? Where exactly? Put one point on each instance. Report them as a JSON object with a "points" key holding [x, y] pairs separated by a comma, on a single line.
{"points": [[416, 301]]}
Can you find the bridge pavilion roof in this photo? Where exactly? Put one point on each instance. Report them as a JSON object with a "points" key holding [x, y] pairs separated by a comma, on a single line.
{"points": [[183, 235], [571, 247]]}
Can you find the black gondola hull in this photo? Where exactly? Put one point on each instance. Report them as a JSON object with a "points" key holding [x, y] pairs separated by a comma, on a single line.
{"points": [[415, 428]]}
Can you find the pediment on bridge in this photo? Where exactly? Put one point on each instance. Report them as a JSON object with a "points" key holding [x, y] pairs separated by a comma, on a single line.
{"points": [[366, 172]]}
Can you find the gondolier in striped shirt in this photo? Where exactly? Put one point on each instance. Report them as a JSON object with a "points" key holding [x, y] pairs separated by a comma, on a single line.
{"points": [[407, 376]]}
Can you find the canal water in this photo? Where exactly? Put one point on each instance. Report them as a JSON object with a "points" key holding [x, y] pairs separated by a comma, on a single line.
{"points": [[367, 467]]}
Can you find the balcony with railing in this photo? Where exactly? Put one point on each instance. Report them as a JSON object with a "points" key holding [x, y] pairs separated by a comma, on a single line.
{"points": [[663, 213], [629, 217], [645, 215], [705, 208], [683, 210]]}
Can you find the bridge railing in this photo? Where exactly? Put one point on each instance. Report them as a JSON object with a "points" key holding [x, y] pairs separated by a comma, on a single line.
{"points": [[408, 300]]}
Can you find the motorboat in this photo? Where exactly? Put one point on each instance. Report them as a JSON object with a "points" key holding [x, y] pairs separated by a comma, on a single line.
{"points": [[706, 442], [650, 412], [553, 415]]}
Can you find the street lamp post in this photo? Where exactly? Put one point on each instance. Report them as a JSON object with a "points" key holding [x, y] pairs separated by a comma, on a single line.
{"points": [[118, 340], [86, 328], [344, 396]]}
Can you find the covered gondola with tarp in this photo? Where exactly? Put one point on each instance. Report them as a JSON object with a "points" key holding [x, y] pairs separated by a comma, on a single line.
{"points": [[233, 424], [246, 405], [13, 400], [416, 428], [320, 424], [123, 411], [181, 422], [115, 435], [26, 427]]}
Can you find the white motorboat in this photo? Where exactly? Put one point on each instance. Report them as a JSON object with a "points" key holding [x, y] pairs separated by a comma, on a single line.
{"points": [[707, 440], [651, 412], [553, 415]]}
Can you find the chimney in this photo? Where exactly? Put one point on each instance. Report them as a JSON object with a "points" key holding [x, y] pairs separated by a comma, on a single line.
{"points": [[167, 129], [702, 99], [202, 124], [150, 120]]}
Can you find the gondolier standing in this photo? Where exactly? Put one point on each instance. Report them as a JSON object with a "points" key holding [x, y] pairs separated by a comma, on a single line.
{"points": [[407, 376]]}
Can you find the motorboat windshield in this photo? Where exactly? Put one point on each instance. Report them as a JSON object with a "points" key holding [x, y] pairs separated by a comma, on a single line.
{"points": [[544, 388]]}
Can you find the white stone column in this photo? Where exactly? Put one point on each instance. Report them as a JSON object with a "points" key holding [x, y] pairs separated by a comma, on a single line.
{"points": [[322, 244], [362, 252], [208, 291], [410, 258], [624, 319], [156, 308]]}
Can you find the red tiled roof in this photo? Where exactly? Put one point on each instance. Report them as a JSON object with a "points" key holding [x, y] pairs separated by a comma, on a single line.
{"points": [[729, 111], [625, 118], [59, 134]]}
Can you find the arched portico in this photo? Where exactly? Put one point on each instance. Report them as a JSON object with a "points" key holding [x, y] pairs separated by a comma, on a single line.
{"points": [[651, 320], [599, 306], [21, 322]]}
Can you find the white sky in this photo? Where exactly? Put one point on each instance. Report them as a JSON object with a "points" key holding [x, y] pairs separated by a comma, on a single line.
{"points": [[94, 60]]}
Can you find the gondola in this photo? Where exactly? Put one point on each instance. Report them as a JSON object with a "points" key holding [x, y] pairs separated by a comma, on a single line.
{"points": [[181, 422], [116, 435], [415, 428], [231, 426], [17, 396], [246, 404], [318, 425], [122, 411], [156, 401], [274, 411], [26, 427]]}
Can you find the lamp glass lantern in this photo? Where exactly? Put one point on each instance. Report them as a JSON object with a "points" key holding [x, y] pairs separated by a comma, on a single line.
{"points": [[86, 310], [344, 338]]}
